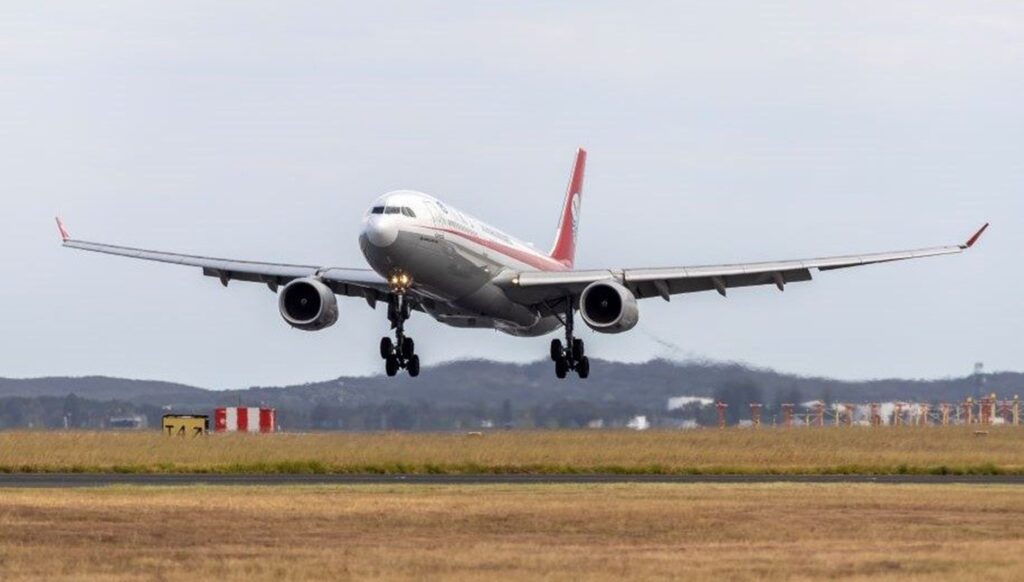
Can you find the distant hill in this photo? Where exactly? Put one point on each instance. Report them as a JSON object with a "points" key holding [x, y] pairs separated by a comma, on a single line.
{"points": [[645, 386], [101, 388]]}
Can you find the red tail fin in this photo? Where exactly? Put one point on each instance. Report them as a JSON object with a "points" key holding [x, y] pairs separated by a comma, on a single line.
{"points": [[564, 250]]}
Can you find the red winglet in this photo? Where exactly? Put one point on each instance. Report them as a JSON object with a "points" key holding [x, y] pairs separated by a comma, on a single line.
{"points": [[970, 242], [64, 236]]}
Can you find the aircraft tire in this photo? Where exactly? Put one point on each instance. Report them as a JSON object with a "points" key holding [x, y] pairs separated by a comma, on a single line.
{"points": [[556, 350], [414, 366], [578, 350], [583, 368], [391, 366], [561, 368], [387, 347]]}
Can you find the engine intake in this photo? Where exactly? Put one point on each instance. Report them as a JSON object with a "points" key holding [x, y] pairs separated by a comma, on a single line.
{"points": [[608, 307], [308, 304]]}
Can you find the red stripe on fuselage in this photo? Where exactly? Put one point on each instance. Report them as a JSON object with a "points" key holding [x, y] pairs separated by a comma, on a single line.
{"points": [[536, 261]]}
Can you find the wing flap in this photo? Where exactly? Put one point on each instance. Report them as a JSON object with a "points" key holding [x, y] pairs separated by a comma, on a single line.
{"points": [[659, 287]]}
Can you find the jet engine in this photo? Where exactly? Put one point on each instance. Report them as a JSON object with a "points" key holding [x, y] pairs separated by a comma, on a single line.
{"points": [[308, 304], [608, 307]]}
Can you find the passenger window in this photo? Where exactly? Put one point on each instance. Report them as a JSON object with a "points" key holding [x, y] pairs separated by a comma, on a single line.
{"points": [[377, 210]]}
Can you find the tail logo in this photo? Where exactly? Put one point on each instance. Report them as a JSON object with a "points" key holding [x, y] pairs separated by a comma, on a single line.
{"points": [[575, 209]]}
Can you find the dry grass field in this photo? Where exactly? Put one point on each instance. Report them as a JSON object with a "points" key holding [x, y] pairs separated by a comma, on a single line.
{"points": [[933, 450], [600, 532]]}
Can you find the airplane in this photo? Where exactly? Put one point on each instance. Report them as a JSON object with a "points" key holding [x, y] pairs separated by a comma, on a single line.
{"points": [[426, 256]]}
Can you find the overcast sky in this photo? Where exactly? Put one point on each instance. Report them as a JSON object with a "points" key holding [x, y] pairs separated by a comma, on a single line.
{"points": [[717, 131]]}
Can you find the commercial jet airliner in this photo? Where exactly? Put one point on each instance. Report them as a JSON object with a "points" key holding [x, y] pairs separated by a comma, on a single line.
{"points": [[428, 257]]}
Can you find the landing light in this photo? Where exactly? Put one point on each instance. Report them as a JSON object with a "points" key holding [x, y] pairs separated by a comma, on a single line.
{"points": [[399, 282]]}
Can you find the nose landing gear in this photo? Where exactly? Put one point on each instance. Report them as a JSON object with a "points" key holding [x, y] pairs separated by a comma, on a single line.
{"points": [[399, 354], [572, 355]]}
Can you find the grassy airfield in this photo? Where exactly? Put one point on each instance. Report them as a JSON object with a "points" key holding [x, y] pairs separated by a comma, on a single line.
{"points": [[603, 532], [829, 450]]}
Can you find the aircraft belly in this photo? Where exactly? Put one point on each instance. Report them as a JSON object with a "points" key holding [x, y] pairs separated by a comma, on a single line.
{"points": [[456, 278], [491, 301], [543, 326]]}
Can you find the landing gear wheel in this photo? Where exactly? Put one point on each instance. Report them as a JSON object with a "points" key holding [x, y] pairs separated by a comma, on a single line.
{"points": [[583, 368], [413, 367], [573, 355], [577, 349], [561, 368], [400, 353], [387, 347], [391, 366], [557, 351]]}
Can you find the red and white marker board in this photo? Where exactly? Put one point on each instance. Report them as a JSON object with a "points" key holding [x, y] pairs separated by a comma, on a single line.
{"points": [[236, 419]]}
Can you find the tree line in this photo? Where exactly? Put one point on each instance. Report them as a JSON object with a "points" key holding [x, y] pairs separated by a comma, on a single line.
{"points": [[73, 412]]}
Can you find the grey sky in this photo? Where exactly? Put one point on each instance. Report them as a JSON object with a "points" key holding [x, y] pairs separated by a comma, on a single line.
{"points": [[718, 132]]}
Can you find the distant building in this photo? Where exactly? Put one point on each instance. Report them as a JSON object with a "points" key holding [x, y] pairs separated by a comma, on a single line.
{"points": [[136, 422], [679, 402], [639, 423]]}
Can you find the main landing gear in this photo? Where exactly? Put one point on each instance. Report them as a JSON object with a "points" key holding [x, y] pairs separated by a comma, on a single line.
{"points": [[572, 355], [399, 354]]}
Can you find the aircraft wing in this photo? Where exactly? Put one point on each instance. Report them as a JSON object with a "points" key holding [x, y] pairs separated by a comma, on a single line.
{"points": [[349, 282], [538, 288]]}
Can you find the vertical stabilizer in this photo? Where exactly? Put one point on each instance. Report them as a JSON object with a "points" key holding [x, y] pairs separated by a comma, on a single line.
{"points": [[564, 250]]}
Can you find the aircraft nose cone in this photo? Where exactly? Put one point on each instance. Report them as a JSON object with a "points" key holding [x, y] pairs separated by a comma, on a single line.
{"points": [[381, 231]]}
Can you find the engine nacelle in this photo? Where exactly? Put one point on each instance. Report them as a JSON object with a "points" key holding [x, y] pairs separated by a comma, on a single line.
{"points": [[608, 307], [308, 304]]}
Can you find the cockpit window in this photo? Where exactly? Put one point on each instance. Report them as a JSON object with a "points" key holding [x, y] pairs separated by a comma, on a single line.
{"points": [[403, 210]]}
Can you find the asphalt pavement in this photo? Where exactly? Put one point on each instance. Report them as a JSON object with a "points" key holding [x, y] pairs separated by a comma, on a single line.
{"points": [[73, 480]]}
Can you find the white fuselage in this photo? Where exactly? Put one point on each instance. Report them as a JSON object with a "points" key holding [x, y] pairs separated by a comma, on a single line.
{"points": [[452, 259]]}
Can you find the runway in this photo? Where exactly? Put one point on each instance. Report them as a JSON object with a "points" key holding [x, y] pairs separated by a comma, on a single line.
{"points": [[79, 480]]}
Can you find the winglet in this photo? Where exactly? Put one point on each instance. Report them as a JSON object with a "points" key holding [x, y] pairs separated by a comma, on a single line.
{"points": [[64, 236], [970, 242]]}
